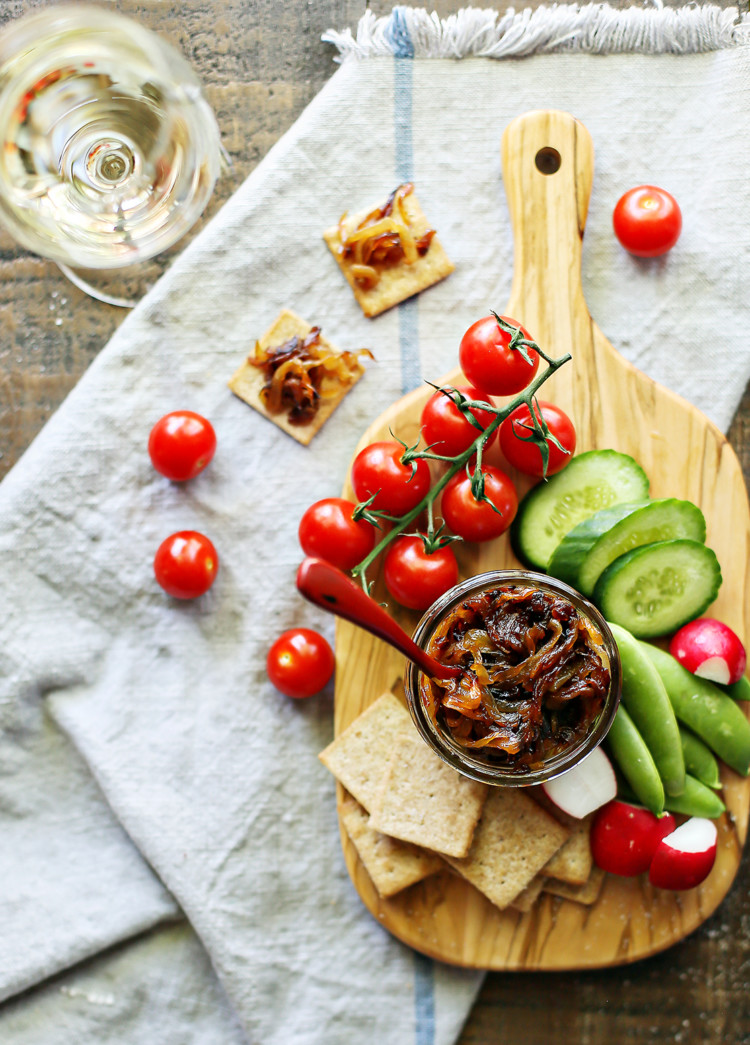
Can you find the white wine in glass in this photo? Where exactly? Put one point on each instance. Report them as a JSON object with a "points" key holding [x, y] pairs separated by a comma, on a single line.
{"points": [[110, 152]]}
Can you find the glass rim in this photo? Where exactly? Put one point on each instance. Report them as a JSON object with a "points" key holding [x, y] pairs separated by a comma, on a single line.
{"points": [[462, 759]]}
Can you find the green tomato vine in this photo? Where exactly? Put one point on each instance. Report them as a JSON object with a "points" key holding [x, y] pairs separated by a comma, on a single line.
{"points": [[537, 431]]}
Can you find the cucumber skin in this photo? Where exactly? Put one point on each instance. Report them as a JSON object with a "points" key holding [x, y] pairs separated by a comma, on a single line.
{"points": [[568, 556], [519, 543], [712, 715], [645, 698], [603, 589], [689, 524]]}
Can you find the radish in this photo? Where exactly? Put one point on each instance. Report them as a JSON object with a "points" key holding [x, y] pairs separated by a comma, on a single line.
{"points": [[684, 858], [625, 837], [583, 788], [709, 648]]}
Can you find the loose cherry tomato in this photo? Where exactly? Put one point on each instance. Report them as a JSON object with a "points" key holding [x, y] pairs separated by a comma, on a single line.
{"points": [[526, 456], [300, 663], [476, 520], [490, 364], [414, 578], [181, 444], [377, 469], [185, 564], [647, 221], [328, 531], [446, 429]]}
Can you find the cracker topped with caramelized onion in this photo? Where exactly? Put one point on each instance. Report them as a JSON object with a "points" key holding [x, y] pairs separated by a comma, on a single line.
{"points": [[389, 252], [295, 377]]}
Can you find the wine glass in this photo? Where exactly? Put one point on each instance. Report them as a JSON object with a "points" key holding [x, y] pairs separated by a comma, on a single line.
{"points": [[109, 150]]}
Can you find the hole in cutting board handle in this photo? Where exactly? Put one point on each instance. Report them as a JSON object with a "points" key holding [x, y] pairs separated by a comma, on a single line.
{"points": [[548, 160]]}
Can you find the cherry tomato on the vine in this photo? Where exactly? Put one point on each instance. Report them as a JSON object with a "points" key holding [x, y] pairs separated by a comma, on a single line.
{"points": [[490, 364], [300, 663], [328, 531], [377, 469], [446, 430], [185, 564], [647, 221], [476, 520], [414, 578], [526, 456], [181, 444]]}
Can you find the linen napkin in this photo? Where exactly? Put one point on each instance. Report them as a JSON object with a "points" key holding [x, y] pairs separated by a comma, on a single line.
{"points": [[212, 773]]}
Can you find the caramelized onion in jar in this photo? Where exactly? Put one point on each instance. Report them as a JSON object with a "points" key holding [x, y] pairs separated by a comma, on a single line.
{"points": [[301, 372], [536, 676]]}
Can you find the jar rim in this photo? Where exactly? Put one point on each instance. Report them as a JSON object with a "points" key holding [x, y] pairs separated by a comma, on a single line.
{"points": [[461, 758]]}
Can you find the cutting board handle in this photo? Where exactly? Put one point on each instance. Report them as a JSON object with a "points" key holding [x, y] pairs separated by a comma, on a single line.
{"points": [[548, 165]]}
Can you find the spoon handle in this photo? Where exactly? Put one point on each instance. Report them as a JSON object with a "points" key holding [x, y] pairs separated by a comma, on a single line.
{"points": [[327, 587]]}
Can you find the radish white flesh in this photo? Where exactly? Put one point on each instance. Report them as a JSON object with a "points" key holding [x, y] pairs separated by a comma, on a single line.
{"points": [[585, 787], [710, 649], [685, 857]]}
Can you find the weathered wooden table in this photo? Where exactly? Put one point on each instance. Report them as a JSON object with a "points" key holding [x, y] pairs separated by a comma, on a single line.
{"points": [[261, 62]]}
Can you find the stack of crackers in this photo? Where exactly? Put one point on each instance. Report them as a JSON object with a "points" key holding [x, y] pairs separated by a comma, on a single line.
{"points": [[410, 815]]}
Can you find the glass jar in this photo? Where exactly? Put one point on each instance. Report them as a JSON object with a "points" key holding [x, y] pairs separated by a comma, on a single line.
{"points": [[478, 763]]}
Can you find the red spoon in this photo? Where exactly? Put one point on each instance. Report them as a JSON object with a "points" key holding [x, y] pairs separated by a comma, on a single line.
{"points": [[332, 590]]}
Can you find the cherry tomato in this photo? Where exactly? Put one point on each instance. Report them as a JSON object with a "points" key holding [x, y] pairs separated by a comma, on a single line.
{"points": [[185, 564], [414, 578], [476, 520], [377, 469], [327, 531], [181, 444], [300, 663], [526, 456], [446, 429], [490, 364], [647, 221]]}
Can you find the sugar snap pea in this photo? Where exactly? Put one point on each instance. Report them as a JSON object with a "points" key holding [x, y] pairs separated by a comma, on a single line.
{"points": [[739, 690], [705, 709], [631, 754], [699, 761], [647, 703], [695, 800]]}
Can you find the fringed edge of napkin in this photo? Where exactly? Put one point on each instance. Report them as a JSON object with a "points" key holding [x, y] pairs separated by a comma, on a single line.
{"points": [[473, 32]]}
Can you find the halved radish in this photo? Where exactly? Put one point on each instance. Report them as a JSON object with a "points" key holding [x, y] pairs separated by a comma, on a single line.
{"points": [[585, 787], [625, 837], [709, 648], [684, 858]]}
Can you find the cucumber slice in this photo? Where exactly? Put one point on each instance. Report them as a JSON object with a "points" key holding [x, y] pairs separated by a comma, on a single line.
{"points": [[592, 481], [568, 556], [655, 589], [662, 520]]}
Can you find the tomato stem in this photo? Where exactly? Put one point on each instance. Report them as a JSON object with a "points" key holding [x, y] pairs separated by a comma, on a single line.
{"points": [[538, 434]]}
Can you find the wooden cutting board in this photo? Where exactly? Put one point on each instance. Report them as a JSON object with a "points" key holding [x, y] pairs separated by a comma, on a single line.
{"points": [[685, 455]]}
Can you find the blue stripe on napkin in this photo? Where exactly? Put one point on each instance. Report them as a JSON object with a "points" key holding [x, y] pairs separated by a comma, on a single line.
{"points": [[408, 333], [411, 376]]}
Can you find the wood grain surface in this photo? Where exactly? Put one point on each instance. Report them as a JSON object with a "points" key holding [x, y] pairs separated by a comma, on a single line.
{"points": [[262, 61], [615, 406]]}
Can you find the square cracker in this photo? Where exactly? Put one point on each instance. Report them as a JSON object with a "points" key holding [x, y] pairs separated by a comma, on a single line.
{"points": [[572, 863], [397, 282], [424, 801], [588, 893], [391, 864], [513, 841], [528, 896], [248, 381], [359, 756]]}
